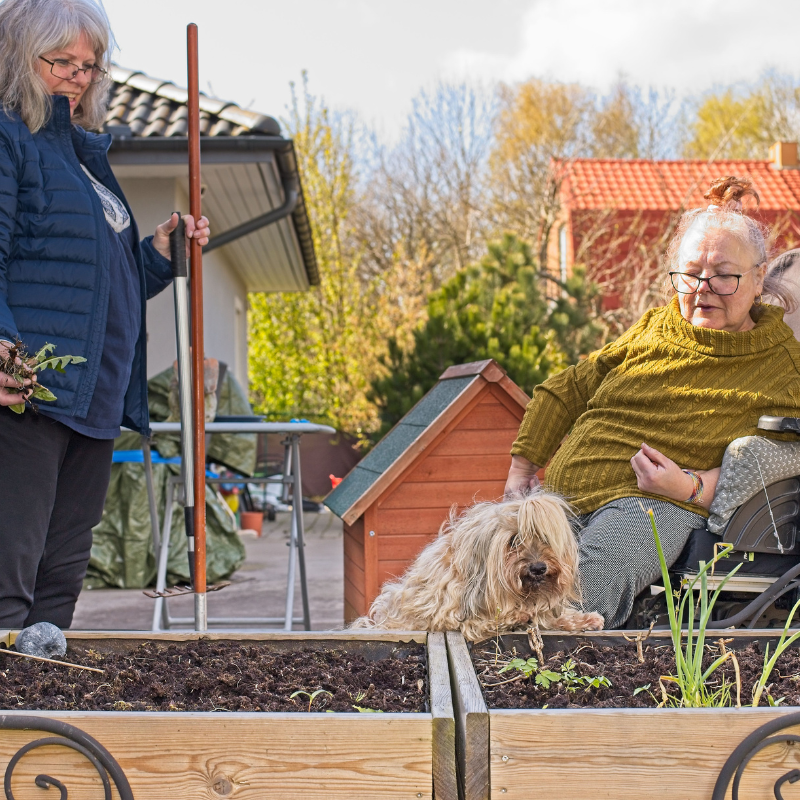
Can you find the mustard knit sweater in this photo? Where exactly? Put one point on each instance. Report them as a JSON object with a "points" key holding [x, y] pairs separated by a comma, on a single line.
{"points": [[684, 390]]}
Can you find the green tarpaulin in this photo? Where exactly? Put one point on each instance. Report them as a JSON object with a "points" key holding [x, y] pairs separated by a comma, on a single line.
{"points": [[122, 551]]}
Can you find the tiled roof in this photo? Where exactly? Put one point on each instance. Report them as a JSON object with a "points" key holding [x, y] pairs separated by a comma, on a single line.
{"points": [[152, 107], [638, 184]]}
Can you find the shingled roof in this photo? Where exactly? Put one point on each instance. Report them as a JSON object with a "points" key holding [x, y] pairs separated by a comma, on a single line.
{"points": [[152, 107], [249, 169]]}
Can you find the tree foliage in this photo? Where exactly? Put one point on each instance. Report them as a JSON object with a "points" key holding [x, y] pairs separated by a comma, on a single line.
{"points": [[493, 309], [742, 122], [312, 353]]}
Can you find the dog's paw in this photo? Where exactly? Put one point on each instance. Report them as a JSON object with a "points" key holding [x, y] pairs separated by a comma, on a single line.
{"points": [[591, 621]]}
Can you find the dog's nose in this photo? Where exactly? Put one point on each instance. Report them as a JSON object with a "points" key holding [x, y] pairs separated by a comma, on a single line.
{"points": [[537, 570]]}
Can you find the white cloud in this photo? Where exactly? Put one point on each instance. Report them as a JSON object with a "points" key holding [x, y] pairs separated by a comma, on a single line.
{"points": [[688, 45]]}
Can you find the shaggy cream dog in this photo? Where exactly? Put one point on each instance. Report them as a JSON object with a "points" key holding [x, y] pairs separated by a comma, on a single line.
{"points": [[495, 567]]}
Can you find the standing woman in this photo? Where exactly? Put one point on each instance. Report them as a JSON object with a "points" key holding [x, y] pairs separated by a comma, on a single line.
{"points": [[72, 272]]}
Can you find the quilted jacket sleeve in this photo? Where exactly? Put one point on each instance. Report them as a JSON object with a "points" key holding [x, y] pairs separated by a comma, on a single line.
{"points": [[157, 269], [9, 187]]}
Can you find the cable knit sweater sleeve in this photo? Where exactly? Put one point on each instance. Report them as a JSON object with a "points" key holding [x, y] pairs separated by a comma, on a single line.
{"points": [[558, 402]]}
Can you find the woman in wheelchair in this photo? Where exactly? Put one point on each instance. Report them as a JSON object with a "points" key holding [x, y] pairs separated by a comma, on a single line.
{"points": [[649, 415]]}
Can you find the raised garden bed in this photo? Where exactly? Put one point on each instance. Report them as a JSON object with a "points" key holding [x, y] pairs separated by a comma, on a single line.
{"points": [[571, 750], [190, 716]]}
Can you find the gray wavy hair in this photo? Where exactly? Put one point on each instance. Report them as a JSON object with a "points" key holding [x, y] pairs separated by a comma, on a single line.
{"points": [[725, 212], [31, 28]]}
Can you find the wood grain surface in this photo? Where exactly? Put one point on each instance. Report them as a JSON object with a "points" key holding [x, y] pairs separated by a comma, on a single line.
{"points": [[630, 754], [472, 722], [242, 756], [444, 730], [253, 756]]}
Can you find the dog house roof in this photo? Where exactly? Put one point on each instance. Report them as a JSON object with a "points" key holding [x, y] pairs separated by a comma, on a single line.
{"points": [[415, 431]]}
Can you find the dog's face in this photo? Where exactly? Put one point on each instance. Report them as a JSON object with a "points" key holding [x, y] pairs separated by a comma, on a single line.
{"points": [[519, 553], [531, 568]]}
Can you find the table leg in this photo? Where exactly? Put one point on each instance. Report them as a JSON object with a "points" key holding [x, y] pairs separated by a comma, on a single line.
{"points": [[160, 615], [297, 511], [151, 495]]}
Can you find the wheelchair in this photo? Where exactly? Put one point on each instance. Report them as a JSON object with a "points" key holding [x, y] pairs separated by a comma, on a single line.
{"points": [[756, 509]]}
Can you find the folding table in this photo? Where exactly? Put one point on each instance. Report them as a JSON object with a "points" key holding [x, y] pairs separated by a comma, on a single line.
{"points": [[291, 477]]}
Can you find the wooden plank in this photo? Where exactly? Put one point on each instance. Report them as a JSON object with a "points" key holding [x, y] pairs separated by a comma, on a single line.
{"points": [[433, 495], [489, 416], [489, 369], [351, 614], [402, 548], [312, 756], [627, 754], [371, 585], [410, 521], [459, 468], [514, 392], [476, 443], [427, 438], [472, 723], [353, 550], [391, 570], [445, 781], [354, 598], [270, 636]]}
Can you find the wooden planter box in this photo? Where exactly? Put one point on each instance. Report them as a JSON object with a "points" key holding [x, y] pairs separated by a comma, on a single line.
{"points": [[252, 755], [613, 754]]}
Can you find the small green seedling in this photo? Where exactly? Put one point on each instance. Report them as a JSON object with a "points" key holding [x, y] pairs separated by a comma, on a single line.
{"points": [[645, 688], [545, 677], [20, 366], [527, 667], [310, 695]]}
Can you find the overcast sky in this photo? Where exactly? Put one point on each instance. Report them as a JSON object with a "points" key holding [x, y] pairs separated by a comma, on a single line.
{"points": [[373, 56]]}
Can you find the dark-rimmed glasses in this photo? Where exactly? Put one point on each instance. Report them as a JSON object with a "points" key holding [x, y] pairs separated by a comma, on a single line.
{"points": [[66, 70], [686, 283]]}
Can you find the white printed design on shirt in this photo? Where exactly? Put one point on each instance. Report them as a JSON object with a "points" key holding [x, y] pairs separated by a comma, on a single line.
{"points": [[117, 215]]}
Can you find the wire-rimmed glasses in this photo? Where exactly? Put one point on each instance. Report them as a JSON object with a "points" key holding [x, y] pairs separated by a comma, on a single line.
{"points": [[66, 70], [686, 283]]}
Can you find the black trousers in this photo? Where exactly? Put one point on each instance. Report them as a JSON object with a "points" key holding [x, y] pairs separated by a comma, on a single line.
{"points": [[53, 484]]}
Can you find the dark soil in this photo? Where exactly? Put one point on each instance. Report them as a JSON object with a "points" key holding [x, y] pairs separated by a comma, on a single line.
{"points": [[620, 665], [215, 676]]}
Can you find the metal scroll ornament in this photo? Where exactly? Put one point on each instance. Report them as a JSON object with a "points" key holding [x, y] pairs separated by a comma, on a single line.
{"points": [[67, 736], [757, 741]]}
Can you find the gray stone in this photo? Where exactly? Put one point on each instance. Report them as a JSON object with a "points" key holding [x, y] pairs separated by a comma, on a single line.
{"points": [[42, 639]]}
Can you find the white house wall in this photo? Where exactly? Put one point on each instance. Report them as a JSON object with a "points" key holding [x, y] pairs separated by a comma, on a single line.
{"points": [[224, 294]]}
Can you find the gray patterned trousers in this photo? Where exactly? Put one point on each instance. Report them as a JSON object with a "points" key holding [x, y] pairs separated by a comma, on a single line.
{"points": [[618, 557]]}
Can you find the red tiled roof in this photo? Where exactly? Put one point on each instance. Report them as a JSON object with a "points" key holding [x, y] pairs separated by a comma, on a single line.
{"points": [[639, 184]]}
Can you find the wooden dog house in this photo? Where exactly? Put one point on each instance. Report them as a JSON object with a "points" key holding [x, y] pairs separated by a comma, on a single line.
{"points": [[452, 448]]}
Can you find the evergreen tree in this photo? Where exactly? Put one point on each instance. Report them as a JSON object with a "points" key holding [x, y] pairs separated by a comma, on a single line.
{"points": [[494, 309]]}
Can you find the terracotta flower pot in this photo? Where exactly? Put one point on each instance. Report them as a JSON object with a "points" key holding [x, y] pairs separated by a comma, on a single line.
{"points": [[252, 520]]}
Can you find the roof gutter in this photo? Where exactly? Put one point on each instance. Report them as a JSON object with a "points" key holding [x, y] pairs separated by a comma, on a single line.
{"points": [[234, 149]]}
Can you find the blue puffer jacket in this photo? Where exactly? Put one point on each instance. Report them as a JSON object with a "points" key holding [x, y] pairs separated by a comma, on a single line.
{"points": [[54, 275]]}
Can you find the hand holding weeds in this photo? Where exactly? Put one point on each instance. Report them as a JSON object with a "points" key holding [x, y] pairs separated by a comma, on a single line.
{"points": [[18, 373]]}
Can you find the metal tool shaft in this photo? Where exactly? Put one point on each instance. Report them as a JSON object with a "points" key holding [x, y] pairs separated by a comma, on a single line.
{"points": [[177, 246]]}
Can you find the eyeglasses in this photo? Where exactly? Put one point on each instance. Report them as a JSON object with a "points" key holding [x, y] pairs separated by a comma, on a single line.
{"points": [[686, 283], [66, 70]]}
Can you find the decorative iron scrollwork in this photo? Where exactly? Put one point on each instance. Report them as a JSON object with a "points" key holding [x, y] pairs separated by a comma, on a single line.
{"points": [[757, 741], [67, 736]]}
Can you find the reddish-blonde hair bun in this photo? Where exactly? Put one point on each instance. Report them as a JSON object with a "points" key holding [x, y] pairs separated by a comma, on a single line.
{"points": [[727, 193]]}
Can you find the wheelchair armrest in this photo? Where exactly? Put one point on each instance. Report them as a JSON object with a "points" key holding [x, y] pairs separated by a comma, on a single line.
{"points": [[782, 424]]}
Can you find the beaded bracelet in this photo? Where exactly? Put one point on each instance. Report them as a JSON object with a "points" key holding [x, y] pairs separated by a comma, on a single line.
{"points": [[697, 492]]}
